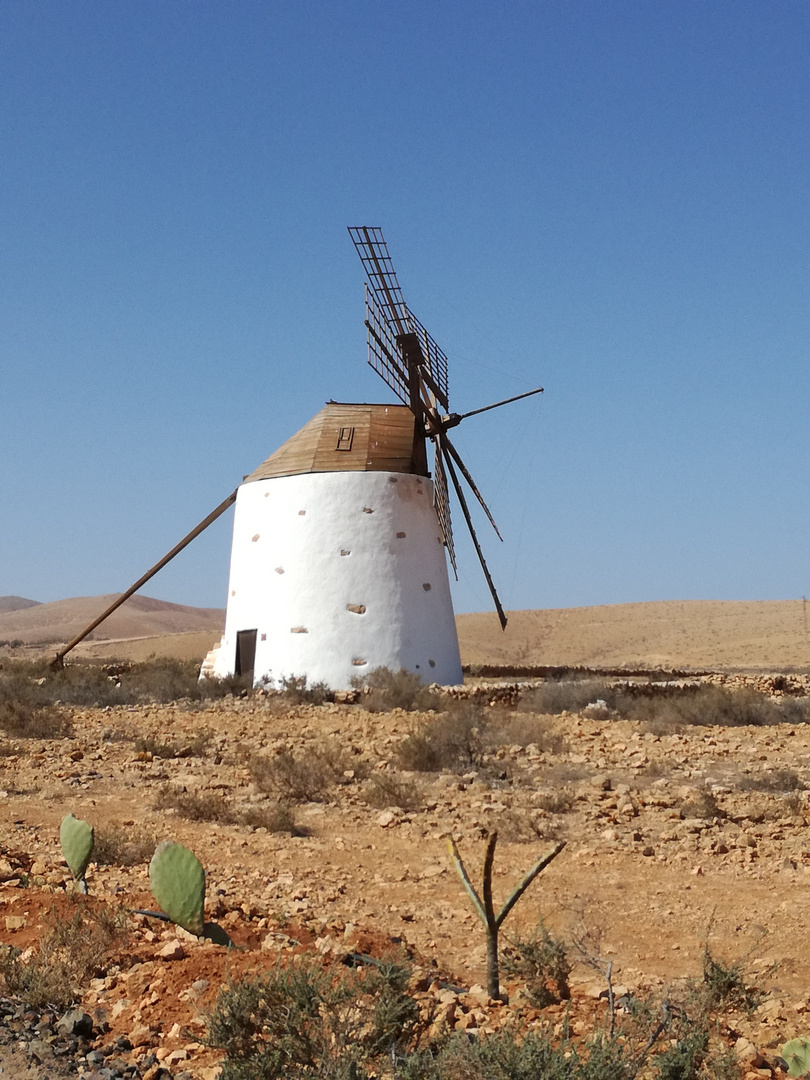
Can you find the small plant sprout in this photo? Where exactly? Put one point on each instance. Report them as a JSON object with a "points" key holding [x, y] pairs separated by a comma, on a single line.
{"points": [[177, 880], [485, 909], [76, 838], [797, 1055]]}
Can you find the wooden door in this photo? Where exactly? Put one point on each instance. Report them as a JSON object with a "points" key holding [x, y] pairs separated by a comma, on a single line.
{"points": [[245, 652]]}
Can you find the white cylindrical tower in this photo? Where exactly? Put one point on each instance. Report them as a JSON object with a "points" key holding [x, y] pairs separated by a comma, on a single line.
{"points": [[338, 562]]}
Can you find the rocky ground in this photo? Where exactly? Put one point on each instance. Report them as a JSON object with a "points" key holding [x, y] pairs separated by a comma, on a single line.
{"points": [[674, 838]]}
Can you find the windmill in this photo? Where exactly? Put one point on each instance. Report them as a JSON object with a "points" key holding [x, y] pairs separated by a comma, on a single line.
{"points": [[407, 358], [338, 553]]}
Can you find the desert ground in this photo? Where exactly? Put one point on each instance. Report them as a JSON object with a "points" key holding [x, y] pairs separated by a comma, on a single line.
{"points": [[678, 837], [650, 867]]}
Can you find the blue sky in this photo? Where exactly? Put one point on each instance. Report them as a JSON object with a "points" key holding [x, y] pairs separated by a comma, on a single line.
{"points": [[609, 199]]}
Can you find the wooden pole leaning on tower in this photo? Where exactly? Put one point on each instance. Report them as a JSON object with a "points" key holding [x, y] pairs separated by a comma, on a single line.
{"points": [[59, 660]]}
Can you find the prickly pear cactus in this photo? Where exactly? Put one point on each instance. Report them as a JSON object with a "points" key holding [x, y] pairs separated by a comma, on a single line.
{"points": [[797, 1054], [178, 884], [76, 837]]}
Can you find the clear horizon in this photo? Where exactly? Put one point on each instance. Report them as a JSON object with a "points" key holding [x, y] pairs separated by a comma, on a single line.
{"points": [[606, 199]]}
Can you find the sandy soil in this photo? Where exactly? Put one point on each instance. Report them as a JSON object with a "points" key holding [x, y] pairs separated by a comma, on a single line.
{"points": [[649, 875]]}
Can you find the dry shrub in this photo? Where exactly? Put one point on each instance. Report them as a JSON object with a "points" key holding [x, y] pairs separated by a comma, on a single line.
{"points": [[196, 806], [776, 780], [704, 706], [454, 741], [306, 778], [703, 804], [542, 963], [295, 691], [384, 690], [276, 817], [523, 827], [525, 730], [197, 747], [559, 801], [92, 684], [116, 845], [213, 807], [563, 695], [79, 942], [28, 721], [387, 789]]}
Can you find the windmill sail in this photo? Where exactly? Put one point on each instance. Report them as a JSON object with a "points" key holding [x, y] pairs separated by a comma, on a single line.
{"points": [[389, 307], [407, 358]]}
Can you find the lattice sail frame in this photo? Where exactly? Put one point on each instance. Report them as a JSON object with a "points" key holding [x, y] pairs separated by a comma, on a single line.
{"points": [[388, 317], [441, 500]]}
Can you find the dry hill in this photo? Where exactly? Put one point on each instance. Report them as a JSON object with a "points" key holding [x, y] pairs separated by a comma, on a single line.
{"points": [[16, 603], [770, 634], [764, 634], [139, 617]]}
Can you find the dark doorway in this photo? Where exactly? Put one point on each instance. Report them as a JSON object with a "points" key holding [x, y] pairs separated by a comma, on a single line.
{"points": [[245, 652]]}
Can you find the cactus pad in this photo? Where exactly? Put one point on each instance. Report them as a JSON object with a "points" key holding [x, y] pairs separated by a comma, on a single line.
{"points": [[76, 837], [177, 880], [797, 1055]]}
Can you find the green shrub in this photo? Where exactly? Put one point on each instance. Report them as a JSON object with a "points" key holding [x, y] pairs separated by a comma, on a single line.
{"points": [[725, 984], [683, 1060], [506, 1057]]}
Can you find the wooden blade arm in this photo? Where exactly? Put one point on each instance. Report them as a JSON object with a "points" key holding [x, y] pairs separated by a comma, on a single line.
{"points": [[481, 559], [466, 474], [58, 660]]}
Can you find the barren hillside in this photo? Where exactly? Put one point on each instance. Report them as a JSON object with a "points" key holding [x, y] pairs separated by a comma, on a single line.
{"points": [[674, 633], [16, 603], [140, 616], [702, 634]]}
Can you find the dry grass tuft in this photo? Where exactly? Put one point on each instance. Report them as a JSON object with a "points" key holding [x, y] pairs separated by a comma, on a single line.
{"points": [[384, 690], [213, 807], [116, 845], [387, 789], [76, 948], [308, 777], [24, 720]]}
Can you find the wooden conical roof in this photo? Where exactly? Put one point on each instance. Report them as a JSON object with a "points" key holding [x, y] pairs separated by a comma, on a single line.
{"points": [[350, 438]]}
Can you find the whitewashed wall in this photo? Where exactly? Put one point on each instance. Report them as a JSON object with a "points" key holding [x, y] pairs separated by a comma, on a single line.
{"points": [[309, 548]]}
